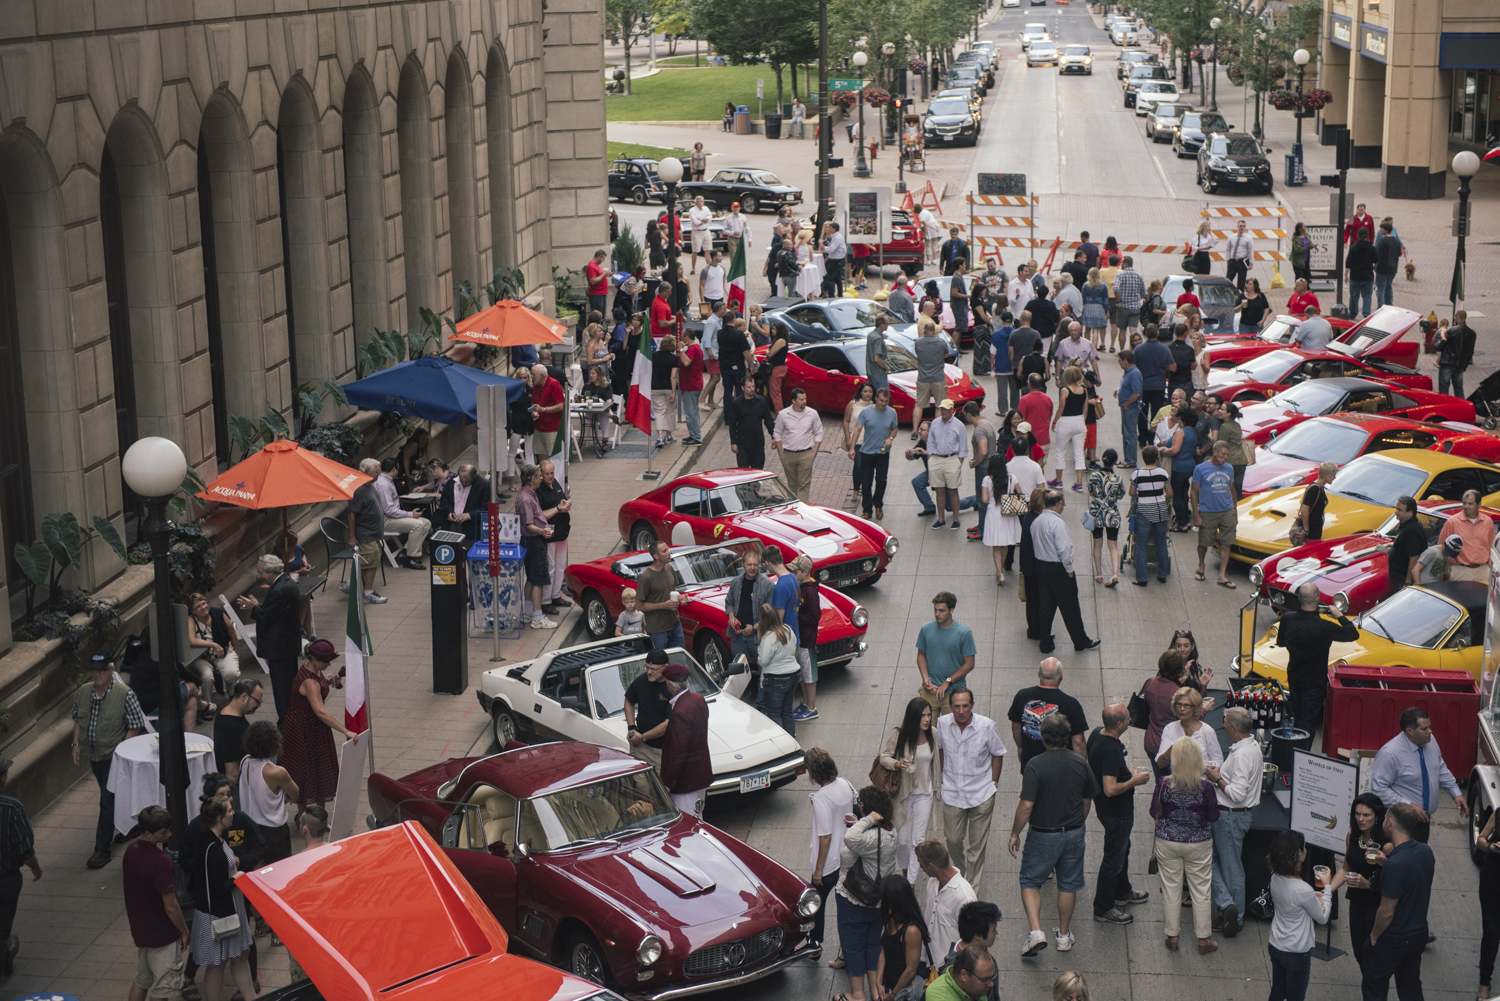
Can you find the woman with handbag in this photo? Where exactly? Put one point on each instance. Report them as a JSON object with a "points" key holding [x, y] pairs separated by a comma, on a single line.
{"points": [[905, 952], [1309, 524], [1198, 247], [1069, 427], [1301, 247], [1158, 693], [1185, 807], [1095, 309], [221, 930], [1105, 490], [1002, 521], [906, 770], [864, 861]]}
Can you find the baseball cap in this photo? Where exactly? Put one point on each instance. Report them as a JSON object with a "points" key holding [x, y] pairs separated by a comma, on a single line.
{"points": [[946, 405], [100, 661], [656, 657], [675, 672], [1454, 545], [1023, 428]]}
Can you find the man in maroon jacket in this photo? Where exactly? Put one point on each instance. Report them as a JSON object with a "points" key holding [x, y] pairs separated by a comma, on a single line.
{"points": [[685, 766]]}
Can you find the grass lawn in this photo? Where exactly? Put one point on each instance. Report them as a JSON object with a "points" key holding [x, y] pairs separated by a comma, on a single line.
{"points": [[634, 151], [695, 95]]}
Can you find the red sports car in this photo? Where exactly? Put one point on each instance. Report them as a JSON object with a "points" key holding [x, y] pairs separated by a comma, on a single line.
{"points": [[1319, 397], [1350, 572], [906, 248], [581, 854], [833, 371], [709, 507], [1292, 458], [1227, 351], [704, 574]]}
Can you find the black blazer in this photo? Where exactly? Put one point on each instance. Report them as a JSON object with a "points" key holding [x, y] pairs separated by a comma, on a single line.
{"points": [[479, 498], [278, 620]]}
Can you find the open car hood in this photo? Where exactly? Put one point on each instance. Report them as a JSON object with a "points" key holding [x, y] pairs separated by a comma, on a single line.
{"points": [[386, 915], [1380, 330]]}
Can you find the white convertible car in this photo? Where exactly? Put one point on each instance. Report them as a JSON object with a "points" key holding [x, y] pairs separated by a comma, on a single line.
{"points": [[578, 693]]}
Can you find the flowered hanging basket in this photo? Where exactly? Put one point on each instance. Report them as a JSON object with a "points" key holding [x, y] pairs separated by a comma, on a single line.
{"points": [[877, 97], [1314, 100], [917, 66], [845, 99]]}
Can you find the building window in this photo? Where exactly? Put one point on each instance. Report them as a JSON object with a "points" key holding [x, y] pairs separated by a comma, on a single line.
{"points": [[286, 277], [112, 234], [16, 518], [1474, 106], [211, 307]]}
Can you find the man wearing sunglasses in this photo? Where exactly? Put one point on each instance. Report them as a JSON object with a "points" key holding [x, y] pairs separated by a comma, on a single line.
{"points": [[230, 726]]}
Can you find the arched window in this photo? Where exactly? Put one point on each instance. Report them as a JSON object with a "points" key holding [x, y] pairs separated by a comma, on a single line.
{"points": [[16, 524]]}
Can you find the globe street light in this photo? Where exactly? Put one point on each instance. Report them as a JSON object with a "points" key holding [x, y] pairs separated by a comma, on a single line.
{"points": [[889, 50], [670, 172], [861, 168], [1213, 101], [1301, 57], [153, 468], [1465, 165]]}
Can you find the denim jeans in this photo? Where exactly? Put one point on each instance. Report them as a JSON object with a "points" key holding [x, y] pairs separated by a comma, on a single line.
{"points": [[1448, 376], [1114, 866], [688, 403], [778, 699], [1182, 510], [1047, 852], [1130, 427], [919, 485], [859, 937], [1146, 531], [672, 637], [1290, 972], [870, 476], [104, 833], [1360, 292], [747, 645], [1383, 289], [1229, 870]]}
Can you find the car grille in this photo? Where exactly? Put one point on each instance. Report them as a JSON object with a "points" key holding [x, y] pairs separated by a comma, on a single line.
{"points": [[948, 130], [847, 572], [730, 956], [837, 648], [1283, 599]]}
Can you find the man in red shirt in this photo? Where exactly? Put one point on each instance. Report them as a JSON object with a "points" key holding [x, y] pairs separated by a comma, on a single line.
{"points": [[1036, 409], [690, 383], [661, 312], [156, 923], [1188, 297], [1362, 221], [547, 403], [1301, 299], [598, 278]]}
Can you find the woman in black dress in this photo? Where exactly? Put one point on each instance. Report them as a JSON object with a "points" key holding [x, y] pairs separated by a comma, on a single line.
{"points": [[1314, 502], [1031, 592], [1363, 858], [1489, 903], [904, 941], [655, 249], [1253, 307]]}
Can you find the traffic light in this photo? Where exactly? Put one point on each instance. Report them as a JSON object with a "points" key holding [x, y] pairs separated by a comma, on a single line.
{"points": [[897, 103]]}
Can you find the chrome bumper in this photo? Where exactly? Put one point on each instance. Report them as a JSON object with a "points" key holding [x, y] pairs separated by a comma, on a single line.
{"points": [[785, 771], [780, 962]]}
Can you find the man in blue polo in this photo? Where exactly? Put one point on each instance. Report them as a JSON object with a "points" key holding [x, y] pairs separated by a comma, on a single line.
{"points": [[1214, 514], [945, 653], [1400, 931]]}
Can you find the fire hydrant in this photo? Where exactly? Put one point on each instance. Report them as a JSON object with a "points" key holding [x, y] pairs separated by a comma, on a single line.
{"points": [[874, 145]]}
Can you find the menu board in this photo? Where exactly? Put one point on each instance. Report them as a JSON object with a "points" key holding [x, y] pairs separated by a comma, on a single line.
{"points": [[1323, 791]]}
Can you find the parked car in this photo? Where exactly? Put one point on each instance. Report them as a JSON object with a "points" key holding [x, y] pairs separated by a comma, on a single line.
{"points": [[987, 52], [1164, 117], [1139, 75], [1260, 422], [1195, 127], [1149, 92], [1358, 357], [1229, 350], [1122, 33], [752, 503], [1034, 32], [752, 187], [405, 925], [636, 181], [906, 246], [1010, 3], [1350, 572], [1233, 159], [1217, 298], [826, 319], [832, 372], [977, 60], [950, 122], [1076, 59], [1041, 53], [969, 94], [1292, 459], [582, 855], [704, 574], [1133, 58], [969, 74]]}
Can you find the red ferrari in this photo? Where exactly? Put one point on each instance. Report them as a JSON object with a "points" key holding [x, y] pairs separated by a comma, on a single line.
{"points": [[1320, 397], [833, 371], [706, 508], [1292, 458], [1229, 350], [704, 574]]}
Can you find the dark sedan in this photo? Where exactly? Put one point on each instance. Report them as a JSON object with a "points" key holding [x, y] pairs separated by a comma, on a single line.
{"points": [[1194, 128], [1130, 60], [752, 187], [1139, 75], [636, 180], [1233, 160]]}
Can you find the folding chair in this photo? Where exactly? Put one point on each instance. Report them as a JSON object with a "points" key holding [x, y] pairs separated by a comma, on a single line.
{"points": [[336, 538], [247, 632], [391, 545]]}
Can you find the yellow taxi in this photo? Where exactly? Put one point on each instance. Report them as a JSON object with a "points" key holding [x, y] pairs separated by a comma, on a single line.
{"points": [[1362, 497], [1431, 626]]}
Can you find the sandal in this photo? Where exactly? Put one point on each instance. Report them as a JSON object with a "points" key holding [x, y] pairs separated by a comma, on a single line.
{"points": [[1113, 581], [1198, 575], [1000, 579], [1206, 945], [837, 962], [1098, 578], [190, 991], [1172, 942]]}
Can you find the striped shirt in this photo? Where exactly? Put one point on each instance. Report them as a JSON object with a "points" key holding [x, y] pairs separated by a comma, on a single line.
{"points": [[17, 843], [1151, 493], [1130, 288]]}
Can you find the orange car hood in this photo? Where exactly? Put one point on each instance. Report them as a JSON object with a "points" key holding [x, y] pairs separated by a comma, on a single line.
{"points": [[387, 915]]}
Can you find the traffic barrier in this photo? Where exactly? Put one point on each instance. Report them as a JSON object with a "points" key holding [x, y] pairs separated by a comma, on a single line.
{"points": [[926, 191], [1001, 220], [1242, 211], [1022, 200], [1258, 234], [1260, 255]]}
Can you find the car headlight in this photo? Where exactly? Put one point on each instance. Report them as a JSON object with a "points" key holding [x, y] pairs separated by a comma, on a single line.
{"points": [[859, 617], [1282, 484], [649, 951], [823, 575], [1257, 575], [1088, 60], [809, 903], [891, 545], [1341, 602]]}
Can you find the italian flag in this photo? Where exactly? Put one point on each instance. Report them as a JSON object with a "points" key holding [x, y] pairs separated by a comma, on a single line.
{"points": [[355, 649], [638, 400], [737, 275]]}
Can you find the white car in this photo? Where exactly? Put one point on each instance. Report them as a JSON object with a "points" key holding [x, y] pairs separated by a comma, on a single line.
{"points": [[1076, 59], [1035, 32], [1010, 3], [578, 693], [1152, 93], [1041, 51], [1122, 33]]}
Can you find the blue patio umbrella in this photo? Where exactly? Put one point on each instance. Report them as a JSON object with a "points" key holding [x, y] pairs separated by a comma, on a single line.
{"points": [[432, 388]]}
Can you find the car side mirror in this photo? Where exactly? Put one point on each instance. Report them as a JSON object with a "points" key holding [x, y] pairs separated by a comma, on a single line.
{"points": [[450, 829], [737, 666], [522, 849], [1266, 148], [571, 702], [1229, 128]]}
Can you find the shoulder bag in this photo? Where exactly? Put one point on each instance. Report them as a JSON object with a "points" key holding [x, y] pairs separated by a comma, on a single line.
{"points": [[863, 888], [1088, 522], [882, 778], [1097, 403], [229, 925], [1140, 710], [926, 973], [1013, 503]]}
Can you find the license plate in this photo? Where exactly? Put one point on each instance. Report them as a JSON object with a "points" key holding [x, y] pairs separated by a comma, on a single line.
{"points": [[758, 781], [948, 139], [1241, 180]]}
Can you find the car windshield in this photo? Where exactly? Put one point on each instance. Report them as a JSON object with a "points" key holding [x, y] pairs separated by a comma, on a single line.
{"points": [[1412, 617], [752, 496], [1374, 481], [899, 359], [1214, 294], [1042, 46], [1321, 441], [1238, 146], [609, 683], [607, 810], [1431, 523], [1036, 29], [1168, 111], [1311, 397], [1204, 122], [859, 313], [1158, 87], [954, 106], [766, 177], [1277, 332], [1076, 50], [1268, 367]]}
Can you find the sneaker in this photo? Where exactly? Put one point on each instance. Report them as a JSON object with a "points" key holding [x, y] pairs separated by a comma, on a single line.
{"points": [[1232, 925], [956, 525], [344, 586], [1064, 942], [542, 623], [1090, 645], [1054, 483], [1113, 916], [1035, 943], [1136, 897], [669, 439], [803, 714], [939, 524], [1078, 488], [374, 598], [691, 441], [927, 514]]}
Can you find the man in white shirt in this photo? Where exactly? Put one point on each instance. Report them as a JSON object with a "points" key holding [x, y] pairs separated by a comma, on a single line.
{"points": [[735, 226], [710, 344], [799, 115], [947, 891], [834, 253], [1239, 252], [711, 280], [699, 216], [830, 804], [798, 433], [1238, 783], [1018, 292], [970, 755], [932, 232], [397, 520]]}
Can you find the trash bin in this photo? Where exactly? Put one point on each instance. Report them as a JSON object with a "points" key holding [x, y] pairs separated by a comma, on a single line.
{"points": [[1365, 705], [742, 121], [1293, 170], [773, 125]]}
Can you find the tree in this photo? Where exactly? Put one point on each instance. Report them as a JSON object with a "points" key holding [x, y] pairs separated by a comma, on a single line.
{"points": [[625, 16], [1261, 55], [774, 32]]}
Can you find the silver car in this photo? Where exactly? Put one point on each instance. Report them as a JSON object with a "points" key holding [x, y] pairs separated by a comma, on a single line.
{"points": [[1033, 32], [1042, 52], [1076, 59], [1162, 122], [1153, 92]]}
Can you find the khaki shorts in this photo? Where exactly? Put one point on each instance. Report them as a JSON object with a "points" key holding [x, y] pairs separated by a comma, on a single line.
{"points": [[159, 972], [703, 242], [369, 554], [1218, 528], [945, 472], [936, 391]]}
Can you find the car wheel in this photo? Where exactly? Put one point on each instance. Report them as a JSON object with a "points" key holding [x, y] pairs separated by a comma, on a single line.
{"points": [[504, 725], [595, 615], [642, 536], [1244, 398], [713, 654], [1206, 182], [638, 195], [585, 959], [749, 204]]}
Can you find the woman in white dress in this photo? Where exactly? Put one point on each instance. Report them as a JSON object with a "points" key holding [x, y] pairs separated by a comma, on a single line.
{"points": [[1025, 475], [1001, 530], [1200, 360], [910, 751]]}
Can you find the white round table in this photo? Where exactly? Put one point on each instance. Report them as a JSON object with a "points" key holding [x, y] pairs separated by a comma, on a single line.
{"points": [[135, 774], [810, 281]]}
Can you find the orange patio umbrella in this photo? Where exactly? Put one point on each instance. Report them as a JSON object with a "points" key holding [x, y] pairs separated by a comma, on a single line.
{"points": [[507, 324]]}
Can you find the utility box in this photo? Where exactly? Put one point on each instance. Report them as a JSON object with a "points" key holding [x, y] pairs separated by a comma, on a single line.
{"points": [[1365, 705], [450, 613]]}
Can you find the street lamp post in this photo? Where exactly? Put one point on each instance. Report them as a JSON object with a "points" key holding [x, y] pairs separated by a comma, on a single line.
{"points": [[670, 172], [892, 125], [861, 166], [1213, 101], [1465, 165], [1301, 57], [825, 123], [153, 468]]}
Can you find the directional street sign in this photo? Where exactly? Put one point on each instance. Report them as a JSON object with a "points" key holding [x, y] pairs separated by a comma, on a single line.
{"points": [[834, 84]]}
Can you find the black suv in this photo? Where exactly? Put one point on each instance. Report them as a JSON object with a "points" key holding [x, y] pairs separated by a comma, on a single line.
{"points": [[950, 122], [1196, 126], [1233, 159], [1138, 76]]}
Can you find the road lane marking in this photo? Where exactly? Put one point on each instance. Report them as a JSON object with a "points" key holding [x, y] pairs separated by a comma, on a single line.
{"points": [[1163, 172]]}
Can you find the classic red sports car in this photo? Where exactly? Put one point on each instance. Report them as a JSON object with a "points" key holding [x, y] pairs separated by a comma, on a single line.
{"points": [[704, 574], [1319, 397], [581, 854], [704, 508], [833, 371], [403, 925], [1350, 572], [1229, 350], [1292, 458]]}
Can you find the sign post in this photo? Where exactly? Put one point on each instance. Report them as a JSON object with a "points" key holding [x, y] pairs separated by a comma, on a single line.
{"points": [[1322, 255], [1323, 791]]}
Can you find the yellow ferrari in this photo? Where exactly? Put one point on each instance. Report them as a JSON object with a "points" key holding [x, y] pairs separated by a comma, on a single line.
{"points": [[1432, 626], [1362, 497]]}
